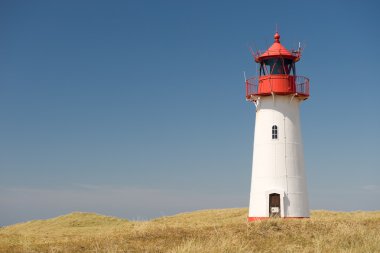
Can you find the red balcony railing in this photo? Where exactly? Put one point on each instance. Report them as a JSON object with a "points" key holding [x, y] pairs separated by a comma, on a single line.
{"points": [[302, 85], [277, 84]]}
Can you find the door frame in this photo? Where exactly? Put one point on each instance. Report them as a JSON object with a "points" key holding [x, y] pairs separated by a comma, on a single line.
{"points": [[282, 207]]}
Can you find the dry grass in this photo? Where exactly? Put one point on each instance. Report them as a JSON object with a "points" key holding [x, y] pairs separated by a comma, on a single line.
{"points": [[223, 230]]}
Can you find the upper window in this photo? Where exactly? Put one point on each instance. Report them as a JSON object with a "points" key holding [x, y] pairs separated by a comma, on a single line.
{"points": [[274, 132], [289, 67], [277, 66]]}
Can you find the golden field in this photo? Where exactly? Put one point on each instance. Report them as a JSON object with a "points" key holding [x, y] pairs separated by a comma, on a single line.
{"points": [[223, 230]]}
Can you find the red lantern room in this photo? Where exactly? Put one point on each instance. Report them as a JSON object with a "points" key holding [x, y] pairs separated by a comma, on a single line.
{"points": [[277, 74]]}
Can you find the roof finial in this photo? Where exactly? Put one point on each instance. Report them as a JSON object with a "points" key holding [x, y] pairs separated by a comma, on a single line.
{"points": [[277, 37]]}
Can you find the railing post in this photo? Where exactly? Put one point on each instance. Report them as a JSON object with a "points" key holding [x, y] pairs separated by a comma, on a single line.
{"points": [[246, 88]]}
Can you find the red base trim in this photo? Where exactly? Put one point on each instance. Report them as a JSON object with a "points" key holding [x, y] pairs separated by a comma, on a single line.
{"points": [[267, 218]]}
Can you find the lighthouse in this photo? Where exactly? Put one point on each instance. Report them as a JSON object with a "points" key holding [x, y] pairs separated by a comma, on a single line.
{"points": [[278, 185]]}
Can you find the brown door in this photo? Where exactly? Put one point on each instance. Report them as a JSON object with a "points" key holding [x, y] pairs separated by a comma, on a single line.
{"points": [[274, 205]]}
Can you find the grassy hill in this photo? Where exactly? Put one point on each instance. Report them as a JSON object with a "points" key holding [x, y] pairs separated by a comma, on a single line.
{"points": [[224, 230]]}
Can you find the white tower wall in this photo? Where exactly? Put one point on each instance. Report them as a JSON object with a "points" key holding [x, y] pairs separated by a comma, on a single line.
{"points": [[278, 164]]}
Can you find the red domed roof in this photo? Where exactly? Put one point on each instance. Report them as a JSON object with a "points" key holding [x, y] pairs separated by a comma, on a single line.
{"points": [[276, 50]]}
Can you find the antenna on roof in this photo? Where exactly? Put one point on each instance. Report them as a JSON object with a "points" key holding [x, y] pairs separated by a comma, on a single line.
{"points": [[301, 48], [254, 55], [252, 52]]}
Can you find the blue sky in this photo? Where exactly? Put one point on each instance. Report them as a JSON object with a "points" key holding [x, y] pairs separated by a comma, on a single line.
{"points": [[137, 109]]}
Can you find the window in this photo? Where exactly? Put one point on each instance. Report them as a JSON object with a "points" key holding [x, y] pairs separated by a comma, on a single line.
{"points": [[277, 66], [274, 66], [262, 69], [274, 132], [289, 67]]}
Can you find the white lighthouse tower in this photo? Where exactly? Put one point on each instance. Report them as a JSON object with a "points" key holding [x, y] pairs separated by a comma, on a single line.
{"points": [[278, 186]]}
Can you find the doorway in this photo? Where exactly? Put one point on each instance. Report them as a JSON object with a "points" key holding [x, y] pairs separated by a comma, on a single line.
{"points": [[274, 205]]}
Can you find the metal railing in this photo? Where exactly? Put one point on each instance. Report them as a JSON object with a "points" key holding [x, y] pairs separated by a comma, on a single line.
{"points": [[251, 86], [301, 84]]}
